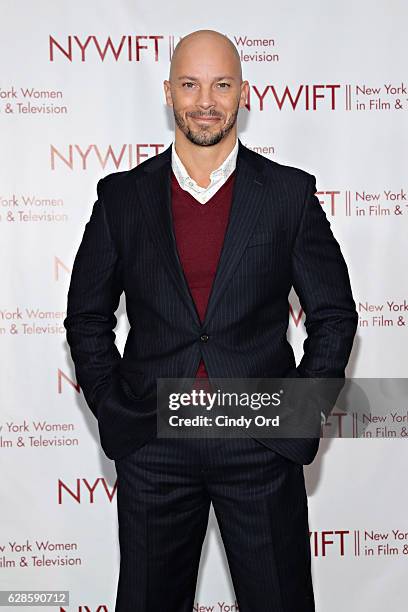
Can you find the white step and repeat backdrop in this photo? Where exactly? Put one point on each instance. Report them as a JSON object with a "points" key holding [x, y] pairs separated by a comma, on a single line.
{"points": [[80, 97]]}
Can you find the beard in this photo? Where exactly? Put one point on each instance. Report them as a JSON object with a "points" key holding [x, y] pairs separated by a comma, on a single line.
{"points": [[204, 137]]}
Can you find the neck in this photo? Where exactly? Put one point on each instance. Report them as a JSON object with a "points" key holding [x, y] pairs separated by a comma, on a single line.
{"points": [[201, 161]]}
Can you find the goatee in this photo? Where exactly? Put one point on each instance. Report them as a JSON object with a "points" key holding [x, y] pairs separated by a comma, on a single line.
{"points": [[203, 137]]}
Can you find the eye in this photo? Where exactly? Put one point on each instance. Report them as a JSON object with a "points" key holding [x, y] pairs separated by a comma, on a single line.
{"points": [[224, 85], [188, 85]]}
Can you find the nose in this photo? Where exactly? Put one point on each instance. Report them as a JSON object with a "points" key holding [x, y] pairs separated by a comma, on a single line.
{"points": [[205, 98]]}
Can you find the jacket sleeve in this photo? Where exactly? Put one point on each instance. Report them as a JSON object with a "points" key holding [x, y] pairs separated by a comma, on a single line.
{"points": [[321, 281], [93, 297]]}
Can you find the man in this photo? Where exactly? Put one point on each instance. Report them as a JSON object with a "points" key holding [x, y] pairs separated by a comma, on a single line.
{"points": [[206, 240]]}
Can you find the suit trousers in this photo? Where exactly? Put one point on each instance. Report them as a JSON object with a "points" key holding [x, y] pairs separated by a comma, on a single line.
{"points": [[164, 492]]}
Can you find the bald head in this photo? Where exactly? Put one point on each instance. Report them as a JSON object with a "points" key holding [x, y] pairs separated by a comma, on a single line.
{"points": [[205, 89], [203, 44]]}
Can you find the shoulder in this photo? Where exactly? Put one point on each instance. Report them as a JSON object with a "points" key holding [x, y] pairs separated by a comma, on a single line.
{"points": [[286, 176], [118, 181]]}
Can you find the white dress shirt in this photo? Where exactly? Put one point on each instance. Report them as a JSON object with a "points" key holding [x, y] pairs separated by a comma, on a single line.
{"points": [[217, 177]]}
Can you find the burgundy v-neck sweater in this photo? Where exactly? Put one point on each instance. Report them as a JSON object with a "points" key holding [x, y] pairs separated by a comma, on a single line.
{"points": [[199, 230]]}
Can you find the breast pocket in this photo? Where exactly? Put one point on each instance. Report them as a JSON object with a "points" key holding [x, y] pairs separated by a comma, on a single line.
{"points": [[266, 254], [267, 237]]}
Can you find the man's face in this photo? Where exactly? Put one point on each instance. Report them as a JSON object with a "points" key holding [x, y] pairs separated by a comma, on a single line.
{"points": [[205, 91]]}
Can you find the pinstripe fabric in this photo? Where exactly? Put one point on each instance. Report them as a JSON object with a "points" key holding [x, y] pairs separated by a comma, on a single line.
{"points": [[277, 236], [164, 490]]}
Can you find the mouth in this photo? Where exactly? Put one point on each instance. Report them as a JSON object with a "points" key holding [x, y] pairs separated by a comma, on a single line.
{"points": [[202, 120]]}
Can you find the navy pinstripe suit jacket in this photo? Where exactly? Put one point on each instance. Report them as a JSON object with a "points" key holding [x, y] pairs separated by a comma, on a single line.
{"points": [[277, 236]]}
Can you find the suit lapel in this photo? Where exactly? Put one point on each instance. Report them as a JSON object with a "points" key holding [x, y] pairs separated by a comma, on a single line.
{"points": [[247, 200], [154, 191], [155, 197]]}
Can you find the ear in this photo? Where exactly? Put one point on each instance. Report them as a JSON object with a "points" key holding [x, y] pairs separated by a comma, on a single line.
{"points": [[244, 96], [167, 93]]}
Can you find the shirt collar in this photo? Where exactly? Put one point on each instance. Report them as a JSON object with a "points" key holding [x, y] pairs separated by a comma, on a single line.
{"points": [[223, 172]]}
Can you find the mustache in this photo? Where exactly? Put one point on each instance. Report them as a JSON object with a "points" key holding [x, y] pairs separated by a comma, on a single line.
{"points": [[201, 114]]}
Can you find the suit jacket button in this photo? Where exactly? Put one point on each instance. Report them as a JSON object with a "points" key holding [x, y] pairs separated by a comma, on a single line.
{"points": [[204, 337]]}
